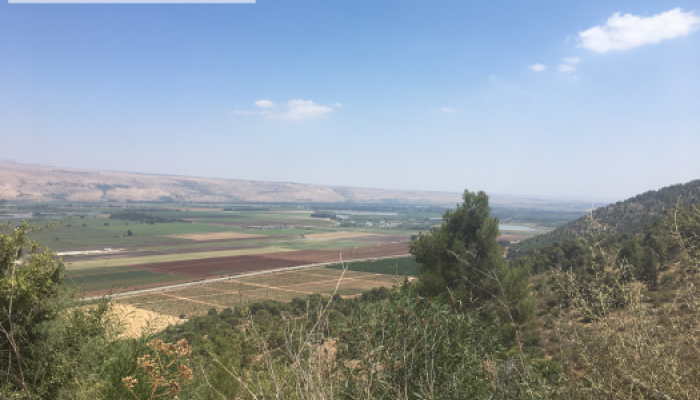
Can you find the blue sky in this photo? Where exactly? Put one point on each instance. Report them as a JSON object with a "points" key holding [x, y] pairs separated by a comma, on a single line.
{"points": [[402, 94]]}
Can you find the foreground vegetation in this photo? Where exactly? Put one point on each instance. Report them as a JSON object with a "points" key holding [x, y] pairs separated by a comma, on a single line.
{"points": [[586, 319]]}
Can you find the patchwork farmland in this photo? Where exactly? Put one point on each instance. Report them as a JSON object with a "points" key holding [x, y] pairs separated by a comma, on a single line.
{"points": [[239, 264], [119, 248], [281, 286]]}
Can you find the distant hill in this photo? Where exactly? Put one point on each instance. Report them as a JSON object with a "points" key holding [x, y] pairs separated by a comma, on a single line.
{"points": [[627, 216], [23, 182]]}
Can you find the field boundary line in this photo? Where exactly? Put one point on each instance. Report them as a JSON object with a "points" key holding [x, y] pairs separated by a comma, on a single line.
{"points": [[231, 277], [192, 300]]}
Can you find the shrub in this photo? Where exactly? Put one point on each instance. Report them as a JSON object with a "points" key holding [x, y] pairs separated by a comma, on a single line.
{"points": [[668, 278]]}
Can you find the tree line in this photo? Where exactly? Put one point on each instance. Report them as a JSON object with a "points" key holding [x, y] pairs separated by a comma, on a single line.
{"points": [[145, 218]]}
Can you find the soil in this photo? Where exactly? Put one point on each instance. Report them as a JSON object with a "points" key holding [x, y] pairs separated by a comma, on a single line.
{"points": [[382, 238], [238, 264], [336, 235]]}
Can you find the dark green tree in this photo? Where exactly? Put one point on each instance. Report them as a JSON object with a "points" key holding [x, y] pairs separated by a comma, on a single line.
{"points": [[462, 257], [648, 270]]}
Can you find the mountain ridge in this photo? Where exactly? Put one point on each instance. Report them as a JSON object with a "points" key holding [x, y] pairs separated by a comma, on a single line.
{"points": [[25, 182], [626, 216]]}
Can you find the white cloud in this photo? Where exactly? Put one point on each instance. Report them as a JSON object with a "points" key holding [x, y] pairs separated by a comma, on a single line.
{"points": [[300, 110], [538, 67], [622, 32], [568, 64], [571, 60], [337, 105], [264, 104], [566, 68], [297, 110]]}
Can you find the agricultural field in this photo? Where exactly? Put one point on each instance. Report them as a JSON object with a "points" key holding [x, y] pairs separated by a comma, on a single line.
{"points": [[282, 286], [110, 248], [406, 266], [119, 278], [117, 247]]}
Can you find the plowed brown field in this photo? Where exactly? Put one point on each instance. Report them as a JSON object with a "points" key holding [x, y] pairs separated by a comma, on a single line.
{"points": [[237, 264]]}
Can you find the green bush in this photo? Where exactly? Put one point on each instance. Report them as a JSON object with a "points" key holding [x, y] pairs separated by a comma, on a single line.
{"points": [[668, 278]]}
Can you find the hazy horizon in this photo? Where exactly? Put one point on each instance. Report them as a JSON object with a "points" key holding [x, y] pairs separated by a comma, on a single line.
{"points": [[579, 100], [556, 199]]}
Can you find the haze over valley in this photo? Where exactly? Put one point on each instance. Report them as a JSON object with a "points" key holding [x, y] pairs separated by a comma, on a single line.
{"points": [[349, 200]]}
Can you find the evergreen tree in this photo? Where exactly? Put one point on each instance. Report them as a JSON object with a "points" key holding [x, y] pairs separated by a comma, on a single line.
{"points": [[463, 257], [648, 270]]}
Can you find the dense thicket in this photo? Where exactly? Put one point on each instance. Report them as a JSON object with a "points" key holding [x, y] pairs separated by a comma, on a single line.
{"points": [[666, 242]]}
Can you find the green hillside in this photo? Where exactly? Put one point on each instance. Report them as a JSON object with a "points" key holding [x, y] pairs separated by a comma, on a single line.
{"points": [[628, 216]]}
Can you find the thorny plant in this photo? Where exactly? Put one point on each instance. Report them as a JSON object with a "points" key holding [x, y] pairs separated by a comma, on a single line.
{"points": [[684, 227], [636, 351], [303, 368], [166, 370]]}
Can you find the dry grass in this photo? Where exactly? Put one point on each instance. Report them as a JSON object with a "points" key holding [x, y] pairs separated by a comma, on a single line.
{"points": [[636, 353], [136, 321]]}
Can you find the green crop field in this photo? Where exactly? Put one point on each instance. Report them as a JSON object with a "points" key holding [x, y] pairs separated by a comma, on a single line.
{"points": [[405, 266], [186, 244], [116, 278], [173, 228], [91, 232]]}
